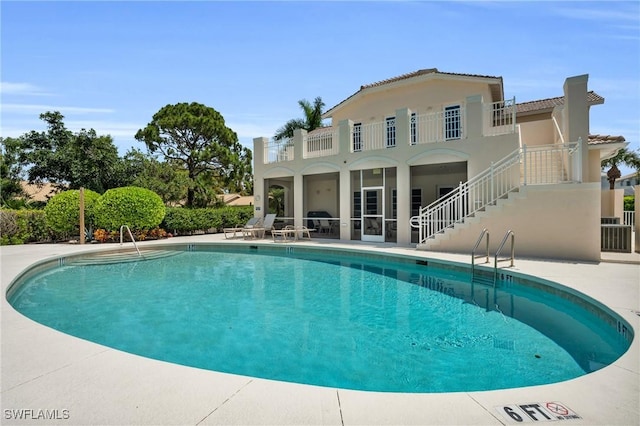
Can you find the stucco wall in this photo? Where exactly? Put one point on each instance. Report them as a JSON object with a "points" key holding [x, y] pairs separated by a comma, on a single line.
{"points": [[322, 195], [537, 219], [612, 203], [376, 104], [537, 133]]}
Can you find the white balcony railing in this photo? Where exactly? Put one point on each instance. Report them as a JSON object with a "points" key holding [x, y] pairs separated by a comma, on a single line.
{"points": [[499, 117], [437, 126], [320, 143], [367, 137], [278, 151]]}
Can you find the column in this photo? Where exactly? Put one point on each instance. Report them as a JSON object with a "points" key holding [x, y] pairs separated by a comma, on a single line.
{"points": [[259, 195]]}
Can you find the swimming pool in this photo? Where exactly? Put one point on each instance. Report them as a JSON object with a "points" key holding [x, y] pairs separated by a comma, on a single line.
{"points": [[328, 318]]}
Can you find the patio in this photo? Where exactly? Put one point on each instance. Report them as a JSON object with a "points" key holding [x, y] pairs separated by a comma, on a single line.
{"points": [[78, 382]]}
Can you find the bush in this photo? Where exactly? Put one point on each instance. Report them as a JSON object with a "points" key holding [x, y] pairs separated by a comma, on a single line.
{"points": [[21, 226], [62, 212], [186, 221], [138, 208], [10, 232], [629, 201]]}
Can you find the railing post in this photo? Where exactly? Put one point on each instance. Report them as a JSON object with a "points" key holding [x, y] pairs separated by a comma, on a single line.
{"points": [[513, 115], [578, 161], [492, 181], [524, 164]]}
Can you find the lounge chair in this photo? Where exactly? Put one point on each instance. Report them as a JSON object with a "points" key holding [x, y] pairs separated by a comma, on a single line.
{"points": [[288, 233], [291, 233], [259, 230], [240, 228], [253, 228]]}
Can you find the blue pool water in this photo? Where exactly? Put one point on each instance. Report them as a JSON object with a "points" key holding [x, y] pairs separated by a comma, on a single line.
{"points": [[327, 319]]}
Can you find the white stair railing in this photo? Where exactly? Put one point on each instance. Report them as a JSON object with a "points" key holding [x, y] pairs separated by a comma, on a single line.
{"points": [[548, 164]]}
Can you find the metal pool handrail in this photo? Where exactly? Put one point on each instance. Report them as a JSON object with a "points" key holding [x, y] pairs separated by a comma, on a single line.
{"points": [[495, 262], [133, 240], [473, 252]]}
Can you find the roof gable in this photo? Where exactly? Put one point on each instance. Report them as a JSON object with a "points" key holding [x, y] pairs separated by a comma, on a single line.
{"points": [[496, 84]]}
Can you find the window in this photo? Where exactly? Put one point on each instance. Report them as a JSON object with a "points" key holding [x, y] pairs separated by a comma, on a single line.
{"points": [[416, 201], [444, 190], [391, 132], [394, 203], [414, 129], [452, 123], [357, 204], [372, 202], [357, 137]]}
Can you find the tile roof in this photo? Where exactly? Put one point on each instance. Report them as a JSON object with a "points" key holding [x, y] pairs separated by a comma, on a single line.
{"points": [[605, 139], [418, 73], [548, 104]]}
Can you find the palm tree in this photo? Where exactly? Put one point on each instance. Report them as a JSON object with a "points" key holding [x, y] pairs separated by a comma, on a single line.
{"points": [[312, 119], [628, 158]]}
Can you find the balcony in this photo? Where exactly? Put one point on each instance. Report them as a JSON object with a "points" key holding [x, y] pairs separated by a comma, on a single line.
{"points": [[493, 119]]}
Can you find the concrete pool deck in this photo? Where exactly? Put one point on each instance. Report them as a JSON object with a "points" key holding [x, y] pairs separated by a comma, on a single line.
{"points": [[49, 377]]}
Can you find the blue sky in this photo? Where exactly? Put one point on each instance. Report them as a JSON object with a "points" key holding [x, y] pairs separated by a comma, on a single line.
{"points": [[111, 65]]}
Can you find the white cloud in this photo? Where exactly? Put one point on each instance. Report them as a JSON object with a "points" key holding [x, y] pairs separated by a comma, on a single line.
{"points": [[39, 109], [9, 88], [600, 14]]}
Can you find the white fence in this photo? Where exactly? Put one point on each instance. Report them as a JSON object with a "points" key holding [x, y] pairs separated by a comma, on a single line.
{"points": [[630, 219]]}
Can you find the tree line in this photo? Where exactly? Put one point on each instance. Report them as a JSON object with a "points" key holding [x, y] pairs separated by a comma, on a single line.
{"points": [[191, 157]]}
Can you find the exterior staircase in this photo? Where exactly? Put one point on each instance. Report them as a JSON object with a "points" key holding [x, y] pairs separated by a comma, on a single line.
{"points": [[496, 188]]}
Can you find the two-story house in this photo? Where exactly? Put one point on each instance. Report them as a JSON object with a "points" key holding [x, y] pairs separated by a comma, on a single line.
{"points": [[432, 158]]}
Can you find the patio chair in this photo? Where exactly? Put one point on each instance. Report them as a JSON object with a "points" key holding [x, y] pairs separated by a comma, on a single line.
{"points": [[285, 234], [260, 229], [326, 226], [291, 233], [240, 228]]}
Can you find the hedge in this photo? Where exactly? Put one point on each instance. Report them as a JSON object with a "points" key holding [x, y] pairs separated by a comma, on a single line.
{"points": [[25, 226], [186, 221]]}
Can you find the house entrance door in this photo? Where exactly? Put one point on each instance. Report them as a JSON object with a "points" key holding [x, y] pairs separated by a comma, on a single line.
{"points": [[373, 214]]}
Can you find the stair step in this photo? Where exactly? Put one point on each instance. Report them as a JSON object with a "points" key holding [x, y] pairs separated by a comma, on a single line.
{"points": [[482, 279], [121, 256]]}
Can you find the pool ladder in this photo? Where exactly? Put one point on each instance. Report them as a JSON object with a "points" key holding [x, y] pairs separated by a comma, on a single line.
{"points": [[133, 240], [483, 234]]}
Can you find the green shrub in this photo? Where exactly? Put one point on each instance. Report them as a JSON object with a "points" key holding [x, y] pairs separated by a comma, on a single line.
{"points": [[62, 212], [179, 220], [629, 201], [138, 208], [186, 221], [234, 216], [22, 226]]}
